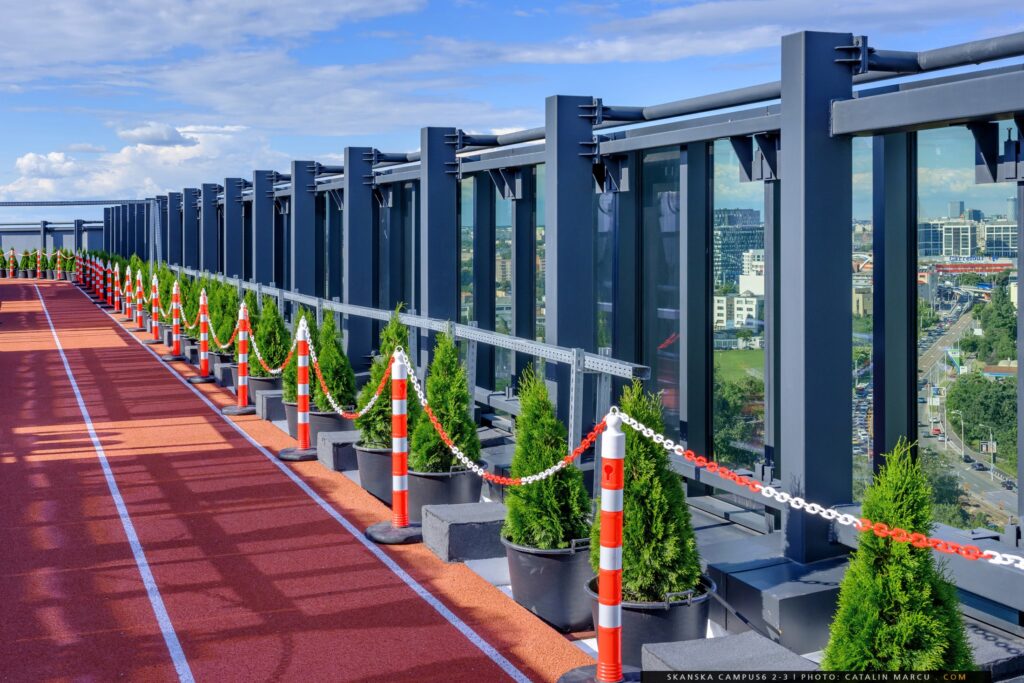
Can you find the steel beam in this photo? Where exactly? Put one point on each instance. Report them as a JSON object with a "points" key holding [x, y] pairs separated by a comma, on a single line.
{"points": [[161, 225], [209, 241], [569, 239], [1020, 345], [190, 227], [815, 246], [483, 272], [333, 202], [174, 228], [263, 226], [439, 229], [234, 243], [772, 324], [78, 234], [305, 260], [524, 264], [696, 182], [132, 233], [108, 231], [894, 352], [359, 253]]}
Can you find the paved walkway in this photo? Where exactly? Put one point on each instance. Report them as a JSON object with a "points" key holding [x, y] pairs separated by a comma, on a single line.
{"points": [[145, 537]]}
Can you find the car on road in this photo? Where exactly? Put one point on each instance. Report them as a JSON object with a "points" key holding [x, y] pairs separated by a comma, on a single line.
{"points": [[968, 459], [979, 467], [1008, 485]]}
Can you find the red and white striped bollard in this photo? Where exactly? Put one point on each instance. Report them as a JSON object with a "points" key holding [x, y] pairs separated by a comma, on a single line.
{"points": [[129, 299], [60, 265], [242, 406], [175, 353], [39, 264], [154, 317], [398, 530], [302, 451], [109, 286], [204, 376], [139, 300], [117, 288], [10, 264]]}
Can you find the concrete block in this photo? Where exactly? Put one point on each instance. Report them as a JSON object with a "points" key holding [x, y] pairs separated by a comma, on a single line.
{"points": [[336, 450], [469, 531], [498, 460], [270, 404], [222, 371], [748, 651]]}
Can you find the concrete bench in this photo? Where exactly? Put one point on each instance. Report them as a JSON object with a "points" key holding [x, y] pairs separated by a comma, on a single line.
{"points": [[270, 404], [748, 651], [336, 450], [468, 531]]}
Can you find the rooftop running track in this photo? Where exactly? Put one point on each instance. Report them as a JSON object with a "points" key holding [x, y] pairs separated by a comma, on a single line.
{"points": [[143, 536]]}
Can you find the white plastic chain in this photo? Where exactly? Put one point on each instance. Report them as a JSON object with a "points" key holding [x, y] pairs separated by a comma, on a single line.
{"points": [[256, 350], [330, 399], [456, 451], [213, 334], [796, 502]]}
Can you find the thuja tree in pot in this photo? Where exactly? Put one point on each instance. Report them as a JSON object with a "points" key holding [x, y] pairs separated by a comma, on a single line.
{"points": [[436, 477], [664, 596], [546, 531], [273, 340], [27, 267], [339, 379], [290, 376], [373, 452], [224, 320], [897, 611], [3, 263]]}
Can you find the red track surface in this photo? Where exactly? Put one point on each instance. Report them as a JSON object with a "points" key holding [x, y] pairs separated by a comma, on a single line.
{"points": [[259, 581]]}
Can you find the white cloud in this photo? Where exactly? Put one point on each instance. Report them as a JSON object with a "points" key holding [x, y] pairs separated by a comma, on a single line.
{"points": [[86, 147], [157, 135], [51, 165]]}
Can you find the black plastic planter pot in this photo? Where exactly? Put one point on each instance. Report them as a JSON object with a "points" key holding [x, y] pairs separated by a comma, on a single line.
{"points": [[375, 471], [327, 422], [49, 275], [263, 384], [290, 412], [441, 488], [548, 583], [222, 358], [23, 274], [683, 616]]}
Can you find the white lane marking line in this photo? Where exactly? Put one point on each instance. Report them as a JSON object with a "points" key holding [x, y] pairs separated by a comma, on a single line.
{"points": [[162, 618], [453, 619]]}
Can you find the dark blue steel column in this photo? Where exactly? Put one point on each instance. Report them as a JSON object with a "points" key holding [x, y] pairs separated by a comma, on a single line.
{"points": [[1020, 330], [439, 230], [483, 273], [130, 221], [359, 252], [263, 226], [78, 234], [303, 255], [173, 219], [209, 257], [233, 239], [109, 239], [190, 228], [894, 345], [696, 174], [162, 227], [816, 339], [115, 224], [127, 234], [569, 233], [524, 264]]}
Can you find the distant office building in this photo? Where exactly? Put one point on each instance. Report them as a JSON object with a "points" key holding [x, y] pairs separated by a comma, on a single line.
{"points": [[974, 215], [730, 244], [1000, 238], [862, 300], [738, 311], [956, 210], [929, 239], [1011, 209], [959, 238], [737, 217], [753, 262]]}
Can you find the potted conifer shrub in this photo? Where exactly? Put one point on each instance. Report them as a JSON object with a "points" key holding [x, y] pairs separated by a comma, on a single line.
{"points": [[339, 379], [664, 596], [271, 336], [897, 611], [50, 263], [290, 376], [190, 290], [224, 320], [436, 477], [252, 306], [546, 530], [373, 452], [27, 266], [3, 264]]}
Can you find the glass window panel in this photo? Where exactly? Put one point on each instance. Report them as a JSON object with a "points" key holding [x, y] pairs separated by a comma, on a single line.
{"points": [[467, 188], [660, 235], [539, 283], [737, 313], [502, 287], [606, 213], [862, 270], [967, 400]]}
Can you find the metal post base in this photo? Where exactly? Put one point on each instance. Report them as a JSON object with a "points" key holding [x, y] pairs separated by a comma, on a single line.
{"points": [[243, 410], [127, 320], [209, 379], [385, 534], [151, 341], [106, 307], [171, 358], [588, 674], [139, 329], [296, 454]]}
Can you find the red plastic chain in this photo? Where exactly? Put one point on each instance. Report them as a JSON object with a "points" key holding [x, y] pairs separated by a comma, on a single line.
{"points": [[287, 360], [231, 340], [380, 387], [587, 442]]}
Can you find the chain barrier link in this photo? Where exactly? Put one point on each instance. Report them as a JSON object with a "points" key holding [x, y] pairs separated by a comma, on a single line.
{"points": [[225, 347], [334, 404], [587, 442], [862, 524], [287, 360]]}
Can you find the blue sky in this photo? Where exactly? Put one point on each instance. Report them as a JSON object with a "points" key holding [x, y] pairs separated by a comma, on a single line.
{"points": [[136, 97]]}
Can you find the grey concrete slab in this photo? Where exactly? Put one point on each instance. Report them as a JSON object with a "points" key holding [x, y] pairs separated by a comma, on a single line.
{"points": [[270, 404], [222, 371], [335, 450], [494, 570], [468, 531], [748, 651], [995, 650]]}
